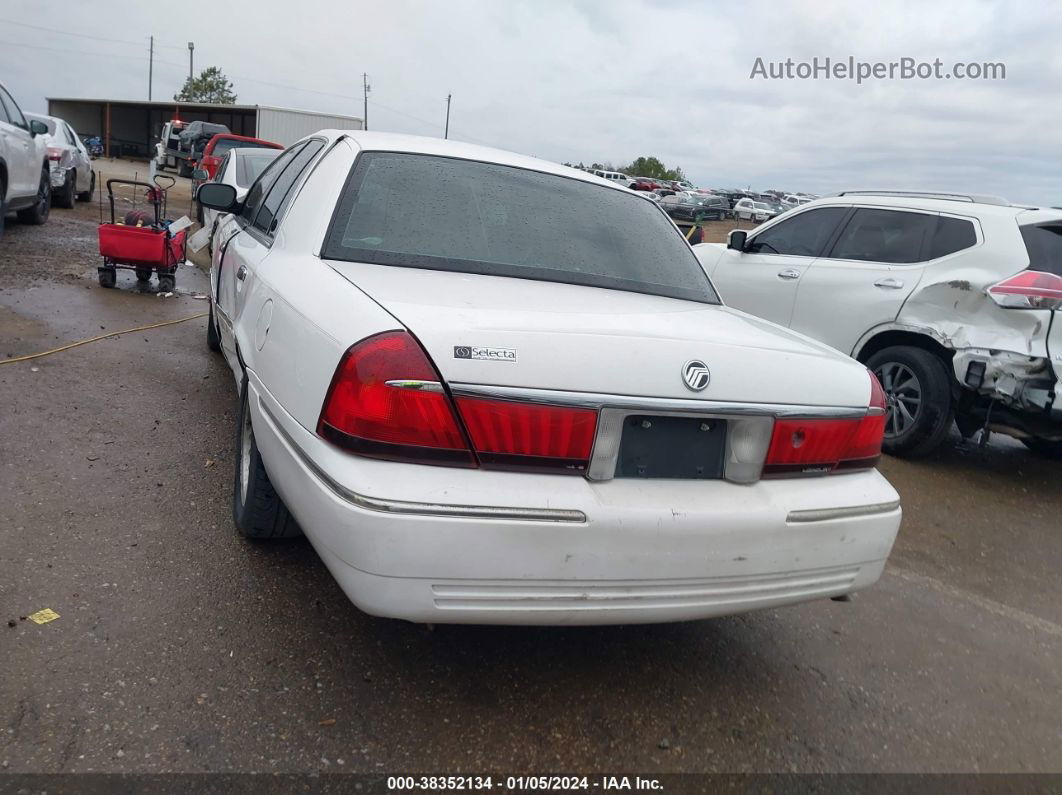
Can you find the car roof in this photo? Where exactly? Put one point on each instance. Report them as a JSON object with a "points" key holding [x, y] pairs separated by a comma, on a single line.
{"points": [[934, 202], [417, 144]]}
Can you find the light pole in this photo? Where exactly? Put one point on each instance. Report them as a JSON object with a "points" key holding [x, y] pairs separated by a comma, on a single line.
{"points": [[446, 132], [366, 88], [151, 66], [191, 49]]}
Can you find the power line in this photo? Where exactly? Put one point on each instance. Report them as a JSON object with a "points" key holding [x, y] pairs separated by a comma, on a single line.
{"points": [[85, 35], [85, 52]]}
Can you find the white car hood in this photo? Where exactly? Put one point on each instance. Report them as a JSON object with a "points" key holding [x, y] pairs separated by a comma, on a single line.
{"points": [[587, 339]]}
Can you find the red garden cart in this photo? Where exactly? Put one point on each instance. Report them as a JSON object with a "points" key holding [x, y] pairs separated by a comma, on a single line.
{"points": [[141, 244]]}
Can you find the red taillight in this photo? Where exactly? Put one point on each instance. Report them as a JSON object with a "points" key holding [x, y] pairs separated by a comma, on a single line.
{"points": [[820, 446], [529, 435], [365, 414], [55, 153], [1028, 290]]}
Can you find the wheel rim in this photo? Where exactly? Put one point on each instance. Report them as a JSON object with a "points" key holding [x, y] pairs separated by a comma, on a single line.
{"points": [[903, 397], [246, 440], [44, 193]]}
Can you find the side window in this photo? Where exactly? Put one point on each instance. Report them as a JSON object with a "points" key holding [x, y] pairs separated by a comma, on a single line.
{"points": [[14, 115], [219, 175], [801, 235], [271, 208], [891, 236], [953, 234], [3, 110], [70, 137], [264, 182]]}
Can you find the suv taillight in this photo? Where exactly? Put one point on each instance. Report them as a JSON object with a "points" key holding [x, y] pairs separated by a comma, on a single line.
{"points": [[387, 400], [822, 446], [55, 153], [1028, 290]]}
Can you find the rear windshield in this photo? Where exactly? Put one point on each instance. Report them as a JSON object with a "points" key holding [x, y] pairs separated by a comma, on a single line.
{"points": [[1044, 244], [423, 211]]}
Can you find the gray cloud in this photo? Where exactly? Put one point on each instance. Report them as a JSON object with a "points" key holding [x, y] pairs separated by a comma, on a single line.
{"points": [[611, 80]]}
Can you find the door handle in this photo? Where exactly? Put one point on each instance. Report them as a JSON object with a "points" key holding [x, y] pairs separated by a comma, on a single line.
{"points": [[789, 274], [889, 284], [241, 272]]}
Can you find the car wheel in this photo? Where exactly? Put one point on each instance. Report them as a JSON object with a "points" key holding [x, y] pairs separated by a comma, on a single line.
{"points": [[1048, 448], [143, 274], [183, 169], [64, 197], [257, 509], [38, 213], [213, 340], [108, 277], [917, 388], [3, 205], [87, 195], [167, 283]]}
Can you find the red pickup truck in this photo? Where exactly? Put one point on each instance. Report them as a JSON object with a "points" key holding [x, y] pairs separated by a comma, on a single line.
{"points": [[218, 146]]}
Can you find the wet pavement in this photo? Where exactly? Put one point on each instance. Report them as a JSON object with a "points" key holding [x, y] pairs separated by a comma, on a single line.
{"points": [[181, 647]]}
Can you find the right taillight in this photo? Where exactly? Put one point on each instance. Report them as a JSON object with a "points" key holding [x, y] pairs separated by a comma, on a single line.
{"points": [[822, 446], [388, 401], [1028, 290]]}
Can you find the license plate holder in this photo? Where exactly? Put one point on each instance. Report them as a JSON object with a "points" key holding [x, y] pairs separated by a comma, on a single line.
{"points": [[690, 448]]}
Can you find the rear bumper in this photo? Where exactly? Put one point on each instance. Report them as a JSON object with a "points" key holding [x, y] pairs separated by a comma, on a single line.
{"points": [[447, 546], [58, 174]]}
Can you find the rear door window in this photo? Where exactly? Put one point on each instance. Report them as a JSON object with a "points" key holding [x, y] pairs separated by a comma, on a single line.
{"points": [[1044, 244], [803, 235], [893, 236], [952, 234]]}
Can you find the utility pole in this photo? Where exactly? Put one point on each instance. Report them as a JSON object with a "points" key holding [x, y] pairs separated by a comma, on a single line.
{"points": [[191, 49], [366, 88], [446, 133], [151, 66]]}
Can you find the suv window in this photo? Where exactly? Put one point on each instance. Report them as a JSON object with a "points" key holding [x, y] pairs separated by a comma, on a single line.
{"points": [[801, 235], [953, 234], [261, 187], [1044, 244], [14, 115], [282, 187], [892, 236]]}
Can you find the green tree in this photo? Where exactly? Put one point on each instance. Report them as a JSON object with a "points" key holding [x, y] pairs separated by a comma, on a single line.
{"points": [[210, 86], [652, 167]]}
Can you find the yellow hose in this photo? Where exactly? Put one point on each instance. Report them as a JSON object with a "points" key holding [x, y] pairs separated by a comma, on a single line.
{"points": [[29, 356]]}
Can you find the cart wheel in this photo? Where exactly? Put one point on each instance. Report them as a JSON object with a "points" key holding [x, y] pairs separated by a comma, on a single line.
{"points": [[167, 282], [143, 274], [108, 277]]}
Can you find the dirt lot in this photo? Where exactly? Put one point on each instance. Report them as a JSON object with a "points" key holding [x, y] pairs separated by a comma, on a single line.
{"points": [[180, 647]]}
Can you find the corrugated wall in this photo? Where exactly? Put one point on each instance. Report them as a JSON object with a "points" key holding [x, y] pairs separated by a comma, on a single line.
{"points": [[287, 126]]}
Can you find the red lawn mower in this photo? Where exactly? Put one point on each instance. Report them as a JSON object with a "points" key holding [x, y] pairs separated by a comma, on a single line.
{"points": [[140, 243]]}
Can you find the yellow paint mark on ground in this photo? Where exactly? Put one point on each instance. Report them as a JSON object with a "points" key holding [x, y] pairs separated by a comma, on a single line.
{"points": [[43, 616]]}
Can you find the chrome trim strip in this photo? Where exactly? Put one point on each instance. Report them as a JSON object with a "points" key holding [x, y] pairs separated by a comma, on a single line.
{"points": [[825, 514], [420, 508], [420, 386], [639, 403]]}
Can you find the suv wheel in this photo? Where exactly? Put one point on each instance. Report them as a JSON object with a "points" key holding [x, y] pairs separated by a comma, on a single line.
{"points": [[38, 213], [3, 204], [1048, 448], [918, 396]]}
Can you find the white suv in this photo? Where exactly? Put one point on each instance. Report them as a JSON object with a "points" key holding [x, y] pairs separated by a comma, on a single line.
{"points": [[952, 300], [25, 180]]}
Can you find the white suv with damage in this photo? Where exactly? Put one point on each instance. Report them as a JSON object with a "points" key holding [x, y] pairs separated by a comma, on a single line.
{"points": [[25, 179], [951, 300]]}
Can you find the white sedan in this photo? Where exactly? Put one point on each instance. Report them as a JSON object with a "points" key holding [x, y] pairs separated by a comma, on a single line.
{"points": [[68, 162], [491, 389]]}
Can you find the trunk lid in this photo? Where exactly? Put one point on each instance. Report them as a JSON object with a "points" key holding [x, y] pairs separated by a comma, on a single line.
{"points": [[546, 335]]}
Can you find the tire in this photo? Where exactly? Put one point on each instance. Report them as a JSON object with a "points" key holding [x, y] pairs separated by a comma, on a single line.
{"points": [[38, 213], [87, 195], [257, 509], [213, 340], [143, 274], [1048, 448], [108, 277], [183, 169], [65, 196], [3, 205], [167, 283], [917, 387]]}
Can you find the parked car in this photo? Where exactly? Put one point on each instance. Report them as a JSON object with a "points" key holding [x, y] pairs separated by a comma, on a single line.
{"points": [[614, 176], [191, 142], [794, 200], [484, 414], [953, 300], [238, 168], [69, 162], [25, 177], [219, 145], [169, 144], [752, 210], [696, 207], [644, 183]]}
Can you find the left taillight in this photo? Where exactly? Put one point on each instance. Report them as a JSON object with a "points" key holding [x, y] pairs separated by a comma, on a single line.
{"points": [[1029, 289], [387, 400], [55, 153], [365, 414], [823, 446]]}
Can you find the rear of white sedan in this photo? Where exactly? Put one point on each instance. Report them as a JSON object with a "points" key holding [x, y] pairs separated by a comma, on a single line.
{"points": [[495, 390]]}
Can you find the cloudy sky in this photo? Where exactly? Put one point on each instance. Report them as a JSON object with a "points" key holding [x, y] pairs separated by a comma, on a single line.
{"points": [[607, 80]]}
